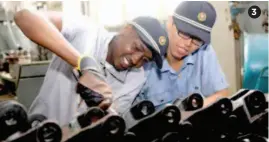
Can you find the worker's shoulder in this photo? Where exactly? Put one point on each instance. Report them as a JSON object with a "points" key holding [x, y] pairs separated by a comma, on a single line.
{"points": [[203, 56], [82, 22], [206, 52]]}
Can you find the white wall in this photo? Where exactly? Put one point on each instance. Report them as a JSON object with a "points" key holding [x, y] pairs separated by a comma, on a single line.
{"points": [[223, 43], [249, 24]]}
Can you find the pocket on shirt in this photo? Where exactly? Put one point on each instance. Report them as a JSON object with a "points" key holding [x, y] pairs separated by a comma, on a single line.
{"points": [[160, 99]]}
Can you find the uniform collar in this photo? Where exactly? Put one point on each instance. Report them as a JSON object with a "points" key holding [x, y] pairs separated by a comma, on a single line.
{"points": [[188, 60], [119, 75]]}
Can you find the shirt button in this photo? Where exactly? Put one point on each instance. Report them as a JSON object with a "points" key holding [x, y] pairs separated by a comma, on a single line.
{"points": [[178, 75]]}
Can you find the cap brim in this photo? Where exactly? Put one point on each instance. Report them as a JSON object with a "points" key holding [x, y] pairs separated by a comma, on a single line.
{"points": [[156, 56], [192, 30]]}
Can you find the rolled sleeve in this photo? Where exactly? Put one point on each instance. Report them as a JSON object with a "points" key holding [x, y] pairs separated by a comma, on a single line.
{"points": [[80, 28], [213, 78], [72, 25]]}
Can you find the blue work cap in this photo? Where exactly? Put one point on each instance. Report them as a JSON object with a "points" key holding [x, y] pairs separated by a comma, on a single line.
{"points": [[153, 34]]}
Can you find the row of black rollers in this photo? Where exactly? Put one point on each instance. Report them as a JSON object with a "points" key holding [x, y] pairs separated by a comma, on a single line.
{"points": [[243, 117]]}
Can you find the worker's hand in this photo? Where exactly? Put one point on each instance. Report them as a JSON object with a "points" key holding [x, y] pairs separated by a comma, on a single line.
{"points": [[92, 85]]}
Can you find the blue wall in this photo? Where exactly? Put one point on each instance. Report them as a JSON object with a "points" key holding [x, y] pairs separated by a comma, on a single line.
{"points": [[256, 62]]}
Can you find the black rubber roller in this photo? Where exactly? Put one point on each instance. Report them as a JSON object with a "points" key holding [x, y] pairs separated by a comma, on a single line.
{"points": [[114, 126], [49, 132], [13, 118], [142, 109], [171, 114], [222, 107], [193, 102], [92, 115], [255, 102]]}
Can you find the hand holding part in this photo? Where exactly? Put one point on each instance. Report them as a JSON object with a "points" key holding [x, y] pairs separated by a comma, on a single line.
{"points": [[92, 85]]}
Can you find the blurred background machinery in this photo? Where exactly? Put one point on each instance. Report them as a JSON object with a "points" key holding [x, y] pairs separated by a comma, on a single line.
{"points": [[244, 39]]}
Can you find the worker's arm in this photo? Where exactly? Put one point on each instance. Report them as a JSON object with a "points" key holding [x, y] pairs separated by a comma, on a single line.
{"points": [[44, 29], [213, 98]]}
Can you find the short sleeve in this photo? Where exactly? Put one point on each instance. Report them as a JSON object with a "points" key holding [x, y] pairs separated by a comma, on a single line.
{"points": [[213, 78], [71, 25], [84, 34]]}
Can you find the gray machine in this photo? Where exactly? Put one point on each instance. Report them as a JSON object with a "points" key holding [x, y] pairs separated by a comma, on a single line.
{"points": [[28, 79]]}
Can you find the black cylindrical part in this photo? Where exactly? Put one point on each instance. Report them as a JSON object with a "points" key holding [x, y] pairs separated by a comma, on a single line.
{"points": [[193, 102], [13, 118], [142, 109], [49, 132]]}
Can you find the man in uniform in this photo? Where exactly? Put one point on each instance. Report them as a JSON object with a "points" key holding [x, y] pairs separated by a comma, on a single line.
{"points": [[191, 64], [106, 55]]}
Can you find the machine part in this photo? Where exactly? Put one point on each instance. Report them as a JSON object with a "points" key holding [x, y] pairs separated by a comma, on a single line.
{"points": [[185, 130], [92, 115], [241, 121], [193, 102], [239, 94], [251, 138], [163, 121], [226, 131], [86, 119], [142, 109], [255, 102], [208, 120], [129, 137], [107, 129], [170, 137], [113, 126], [237, 98], [49, 132], [260, 125], [46, 131], [36, 119], [157, 140], [212, 114], [248, 105], [137, 112], [13, 118], [11, 40]]}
